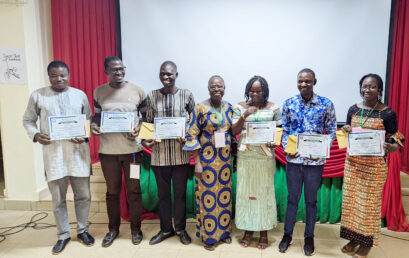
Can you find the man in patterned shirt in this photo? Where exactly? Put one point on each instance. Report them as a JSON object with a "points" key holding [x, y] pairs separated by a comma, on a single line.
{"points": [[305, 113], [169, 161]]}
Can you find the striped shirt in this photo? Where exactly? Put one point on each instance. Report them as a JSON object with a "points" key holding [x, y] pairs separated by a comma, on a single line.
{"points": [[177, 104]]}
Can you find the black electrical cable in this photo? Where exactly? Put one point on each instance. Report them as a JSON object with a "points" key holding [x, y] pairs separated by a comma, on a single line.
{"points": [[34, 224]]}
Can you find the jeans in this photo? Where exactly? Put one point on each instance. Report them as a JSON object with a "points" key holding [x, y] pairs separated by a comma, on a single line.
{"points": [[310, 176]]}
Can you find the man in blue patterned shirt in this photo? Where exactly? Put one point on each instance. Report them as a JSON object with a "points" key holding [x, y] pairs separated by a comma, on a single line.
{"points": [[305, 113]]}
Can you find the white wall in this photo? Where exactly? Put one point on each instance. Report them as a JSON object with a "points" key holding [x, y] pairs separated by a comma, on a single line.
{"points": [[28, 27], [341, 40]]}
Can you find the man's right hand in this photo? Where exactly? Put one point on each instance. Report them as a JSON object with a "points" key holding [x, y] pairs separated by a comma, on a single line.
{"points": [[42, 138], [95, 129], [292, 155], [148, 143]]}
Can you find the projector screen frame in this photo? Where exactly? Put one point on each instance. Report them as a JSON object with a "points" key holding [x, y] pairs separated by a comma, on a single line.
{"points": [[339, 124]]}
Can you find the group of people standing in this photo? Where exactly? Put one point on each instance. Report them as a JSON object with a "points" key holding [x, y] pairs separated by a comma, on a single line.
{"points": [[212, 126]]}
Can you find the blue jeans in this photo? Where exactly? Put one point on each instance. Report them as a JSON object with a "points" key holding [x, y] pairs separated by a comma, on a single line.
{"points": [[310, 176]]}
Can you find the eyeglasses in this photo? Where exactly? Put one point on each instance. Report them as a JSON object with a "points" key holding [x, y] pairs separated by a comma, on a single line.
{"points": [[118, 69], [369, 87], [256, 92], [218, 87]]}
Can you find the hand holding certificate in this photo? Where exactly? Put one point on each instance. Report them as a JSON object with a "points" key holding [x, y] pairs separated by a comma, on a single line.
{"points": [[68, 127], [260, 132], [169, 127], [366, 143], [313, 145], [117, 122]]}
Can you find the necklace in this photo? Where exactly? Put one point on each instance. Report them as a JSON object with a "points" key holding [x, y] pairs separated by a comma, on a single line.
{"points": [[219, 115], [370, 112]]}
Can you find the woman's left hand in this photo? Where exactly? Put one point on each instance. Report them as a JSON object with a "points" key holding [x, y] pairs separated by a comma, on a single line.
{"points": [[390, 147]]}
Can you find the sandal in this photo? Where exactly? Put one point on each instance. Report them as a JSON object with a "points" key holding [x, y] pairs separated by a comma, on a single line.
{"points": [[262, 243], [362, 252], [247, 238], [350, 247], [209, 247], [227, 240]]}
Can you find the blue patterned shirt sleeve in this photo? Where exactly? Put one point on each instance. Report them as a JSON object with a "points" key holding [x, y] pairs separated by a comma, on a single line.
{"points": [[331, 121], [285, 121]]}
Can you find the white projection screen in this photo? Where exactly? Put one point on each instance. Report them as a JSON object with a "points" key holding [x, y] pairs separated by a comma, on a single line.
{"points": [[341, 40]]}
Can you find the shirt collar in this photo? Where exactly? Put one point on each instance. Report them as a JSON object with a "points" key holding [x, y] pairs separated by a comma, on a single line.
{"points": [[313, 100]]}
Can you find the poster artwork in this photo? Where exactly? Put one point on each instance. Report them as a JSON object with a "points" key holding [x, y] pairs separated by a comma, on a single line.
{"points": [[12, 66]]}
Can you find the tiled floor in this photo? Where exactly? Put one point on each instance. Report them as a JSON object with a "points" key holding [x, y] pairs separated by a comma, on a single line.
{"points": [[38, 243]]}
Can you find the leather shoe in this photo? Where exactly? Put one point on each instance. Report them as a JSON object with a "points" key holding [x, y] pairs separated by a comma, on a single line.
{"points": [[161, 236], [137, 237], [60, 245], [109, 238], [86, 238], [285, 243], [184, 237], [309, 246]]}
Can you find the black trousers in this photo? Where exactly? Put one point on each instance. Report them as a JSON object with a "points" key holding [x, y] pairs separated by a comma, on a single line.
{"points": [[179, 175], [112, 166]]}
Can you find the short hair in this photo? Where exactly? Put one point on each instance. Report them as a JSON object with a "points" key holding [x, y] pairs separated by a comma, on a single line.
{"points": [[306, 70], [215, 77], [109, 59], [378, 81], [57, 64], [166, 63], [264, 87]]}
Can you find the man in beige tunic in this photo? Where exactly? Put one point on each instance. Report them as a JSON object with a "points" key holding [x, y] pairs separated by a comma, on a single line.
{"points": [[64, 160]]}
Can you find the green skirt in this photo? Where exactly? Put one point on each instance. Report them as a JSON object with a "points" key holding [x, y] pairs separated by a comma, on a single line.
{"points": [[255, 199]]}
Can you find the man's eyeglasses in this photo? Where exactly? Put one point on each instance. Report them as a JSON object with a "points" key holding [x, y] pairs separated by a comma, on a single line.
{"points": [[118, 69], [218, 87]]}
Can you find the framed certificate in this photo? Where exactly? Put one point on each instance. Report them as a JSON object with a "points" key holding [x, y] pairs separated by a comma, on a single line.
{"points": [[314, 145], [260, 132], [169, 127], [67, 127], [366, 143], [117, 122]]}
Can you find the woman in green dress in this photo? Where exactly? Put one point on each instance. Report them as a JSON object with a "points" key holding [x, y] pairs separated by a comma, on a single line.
{"points": [[255, 199], [209, 140]]}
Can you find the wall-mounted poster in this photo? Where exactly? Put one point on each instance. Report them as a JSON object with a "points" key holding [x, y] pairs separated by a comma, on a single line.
{"points": [[12, 65]]}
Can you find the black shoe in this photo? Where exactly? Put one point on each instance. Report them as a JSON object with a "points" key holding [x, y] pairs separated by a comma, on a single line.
{"points": [[60, 245], [86, 238], [137, 237], [285, 243], [309, 246], [161, 236], [109, 238], [184, 237]]}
